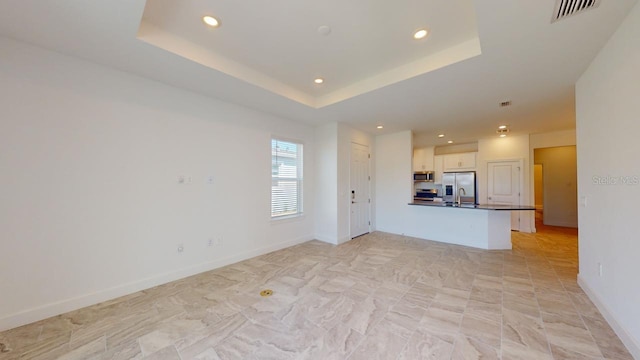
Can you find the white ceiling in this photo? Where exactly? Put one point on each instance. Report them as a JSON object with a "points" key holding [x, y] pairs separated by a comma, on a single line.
{"points": [[273, 52], [371, 43]]}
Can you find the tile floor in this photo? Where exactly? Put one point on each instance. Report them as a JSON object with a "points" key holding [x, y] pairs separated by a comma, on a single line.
{"points": [[379, 296]]}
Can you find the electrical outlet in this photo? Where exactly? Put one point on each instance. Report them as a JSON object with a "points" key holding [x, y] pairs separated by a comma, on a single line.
{"points": [[210, 179], [599, 269], [180, 248], [210, 242], [583, 201]]}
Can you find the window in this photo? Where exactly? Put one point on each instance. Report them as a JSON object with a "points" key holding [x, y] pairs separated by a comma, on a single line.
{"points": [[286, 178]]}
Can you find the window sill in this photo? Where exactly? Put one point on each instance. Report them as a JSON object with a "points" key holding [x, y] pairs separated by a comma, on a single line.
{"points": [[287, 219]]}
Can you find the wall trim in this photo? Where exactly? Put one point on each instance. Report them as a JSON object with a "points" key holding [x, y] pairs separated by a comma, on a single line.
{"points": [[527, 230], [327, 239], [568, 224], [345, 239], [623, 334], [64, 306]]}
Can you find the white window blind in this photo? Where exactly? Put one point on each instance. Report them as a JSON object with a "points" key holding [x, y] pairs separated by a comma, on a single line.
{"points": [[286, 178]]}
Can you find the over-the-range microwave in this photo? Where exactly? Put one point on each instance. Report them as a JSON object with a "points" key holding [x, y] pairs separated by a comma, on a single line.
{"points": [[423, 176]]}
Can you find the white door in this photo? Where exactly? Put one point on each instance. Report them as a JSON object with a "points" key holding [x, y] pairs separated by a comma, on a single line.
{"points": [[359, 175], [504, 187]]}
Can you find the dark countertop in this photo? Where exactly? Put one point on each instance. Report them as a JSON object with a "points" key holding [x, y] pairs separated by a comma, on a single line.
{"points": [[472, 206]]}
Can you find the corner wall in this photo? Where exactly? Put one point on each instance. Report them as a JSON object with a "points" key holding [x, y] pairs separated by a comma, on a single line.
{"points": [[394, 184], [609, 180], [333, 209], [326, 222], [90, 204]]}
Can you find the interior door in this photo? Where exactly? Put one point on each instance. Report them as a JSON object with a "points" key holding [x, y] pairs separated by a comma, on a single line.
{"points": [[504, 187], [359, 177]]}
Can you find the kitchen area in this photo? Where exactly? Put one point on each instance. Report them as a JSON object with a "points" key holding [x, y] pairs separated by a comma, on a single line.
{"points": [[448, 177], [445, 185]]}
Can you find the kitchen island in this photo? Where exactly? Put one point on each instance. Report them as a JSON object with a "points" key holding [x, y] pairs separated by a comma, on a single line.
{"points": [[481, 226]]}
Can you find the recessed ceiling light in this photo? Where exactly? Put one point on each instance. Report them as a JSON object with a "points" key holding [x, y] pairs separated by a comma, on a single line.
{"points": [[441, 135], [502, 127], [324, 30], [211, 21], [420, 34], [318, 80], [379, 127], [450, 142]]}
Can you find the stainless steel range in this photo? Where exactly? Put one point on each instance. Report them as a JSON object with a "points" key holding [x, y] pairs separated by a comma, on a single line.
{"points": [[426, 194]]}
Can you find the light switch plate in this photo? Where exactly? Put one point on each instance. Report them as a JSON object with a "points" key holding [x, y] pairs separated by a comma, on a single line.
{"points": [[583, 201]]}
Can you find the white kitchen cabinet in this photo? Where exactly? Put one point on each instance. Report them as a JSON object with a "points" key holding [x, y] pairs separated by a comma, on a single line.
{"points": [[438, 168], [462, 161], [423, 159]]}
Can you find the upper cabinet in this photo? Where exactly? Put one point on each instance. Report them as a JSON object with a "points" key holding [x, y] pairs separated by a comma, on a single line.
{"points": [[438, 168], [423, 159], [462, 161]]}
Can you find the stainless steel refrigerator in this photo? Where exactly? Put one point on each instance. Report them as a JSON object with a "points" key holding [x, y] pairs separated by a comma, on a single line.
{"points": [[459, 184]]}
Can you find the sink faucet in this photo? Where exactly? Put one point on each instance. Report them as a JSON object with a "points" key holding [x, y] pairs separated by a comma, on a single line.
{"points": [[464, 192]]}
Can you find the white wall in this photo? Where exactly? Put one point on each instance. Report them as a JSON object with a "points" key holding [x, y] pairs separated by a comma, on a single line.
{"points": [[508, 148], [608, 111], [553, 139], [90, 206], [394, 182], [326, 222]]}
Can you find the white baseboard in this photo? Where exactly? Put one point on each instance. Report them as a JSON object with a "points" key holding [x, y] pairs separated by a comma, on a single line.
{"points": [[527, 230], [327, 238], [627, 339], [569, 224], [343, 239], [61, 307]]}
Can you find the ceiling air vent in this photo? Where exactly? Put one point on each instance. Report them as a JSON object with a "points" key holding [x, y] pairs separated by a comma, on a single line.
{"points": [[566, 8]]}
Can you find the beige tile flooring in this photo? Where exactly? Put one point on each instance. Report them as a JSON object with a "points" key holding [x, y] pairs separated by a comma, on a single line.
{"points": [[380, 296]]}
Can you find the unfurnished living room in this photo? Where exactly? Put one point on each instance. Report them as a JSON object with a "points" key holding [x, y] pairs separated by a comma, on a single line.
{"points": [[319, 180]]}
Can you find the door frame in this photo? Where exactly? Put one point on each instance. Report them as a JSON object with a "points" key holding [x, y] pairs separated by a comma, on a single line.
{"points": [[368, 146], [520, 162]]}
